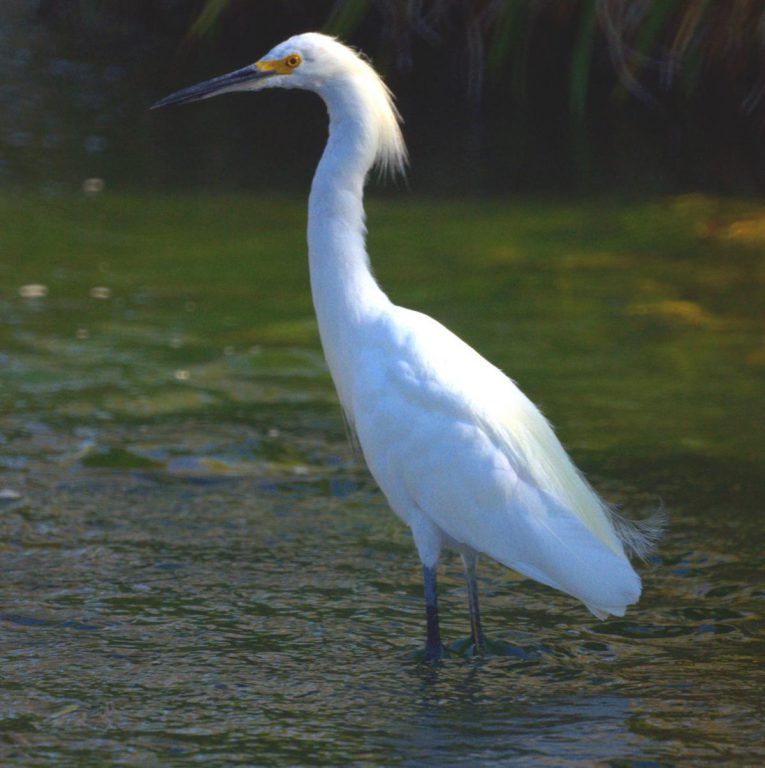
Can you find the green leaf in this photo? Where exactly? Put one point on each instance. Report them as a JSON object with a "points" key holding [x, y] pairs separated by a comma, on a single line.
{"points": [[345, 16], [581, 60], [207, 18]]}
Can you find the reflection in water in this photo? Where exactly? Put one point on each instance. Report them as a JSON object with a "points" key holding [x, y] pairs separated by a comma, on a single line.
{"points": [[196, 568], [483, 725]]}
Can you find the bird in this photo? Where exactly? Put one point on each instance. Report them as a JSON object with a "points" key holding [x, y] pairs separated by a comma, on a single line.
{"points": [[462, 456]]}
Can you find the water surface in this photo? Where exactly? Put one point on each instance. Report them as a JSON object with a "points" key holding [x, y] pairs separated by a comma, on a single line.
{"points": [[196, 568]]}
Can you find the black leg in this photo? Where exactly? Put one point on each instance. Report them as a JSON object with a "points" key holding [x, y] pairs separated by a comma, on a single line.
{"points": [[434, 650], [479, 639]]}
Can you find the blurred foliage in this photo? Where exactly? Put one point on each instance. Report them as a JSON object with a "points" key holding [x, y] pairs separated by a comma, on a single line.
{"points": [[649, 42], [553, 95]]}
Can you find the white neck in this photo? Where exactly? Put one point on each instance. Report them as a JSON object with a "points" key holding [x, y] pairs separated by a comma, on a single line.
{"points": [[345, 295]]}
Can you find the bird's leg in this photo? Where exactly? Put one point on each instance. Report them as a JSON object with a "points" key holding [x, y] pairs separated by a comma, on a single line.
{"points": [[434, 650], [479, 639]]}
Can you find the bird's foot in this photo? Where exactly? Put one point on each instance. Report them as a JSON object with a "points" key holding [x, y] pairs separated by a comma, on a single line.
{"points": [[479, 646], [485, 648], [434, 653], [468, 648]]}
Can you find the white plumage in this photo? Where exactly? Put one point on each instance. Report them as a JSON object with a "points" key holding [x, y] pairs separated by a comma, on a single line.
{"points": [[461, 454]]}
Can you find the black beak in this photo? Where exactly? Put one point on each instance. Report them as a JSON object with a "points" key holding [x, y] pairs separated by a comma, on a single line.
{"points": [[233, 81]]}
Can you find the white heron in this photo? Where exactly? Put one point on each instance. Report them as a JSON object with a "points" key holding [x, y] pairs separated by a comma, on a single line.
{"points": [[463, 457]]}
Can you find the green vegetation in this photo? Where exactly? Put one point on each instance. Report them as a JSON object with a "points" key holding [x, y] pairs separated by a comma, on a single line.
{"points": [[625, 321], [683, 40]]}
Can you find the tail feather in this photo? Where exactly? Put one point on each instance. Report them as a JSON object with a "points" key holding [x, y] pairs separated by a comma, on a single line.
{"points": [[640, 537], [551, 544]]}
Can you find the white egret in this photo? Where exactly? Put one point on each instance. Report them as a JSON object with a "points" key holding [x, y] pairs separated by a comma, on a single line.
{"points": [[462, 456]]}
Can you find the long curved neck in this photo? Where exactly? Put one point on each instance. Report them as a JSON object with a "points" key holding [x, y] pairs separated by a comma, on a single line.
{"points": [[345, 294]]}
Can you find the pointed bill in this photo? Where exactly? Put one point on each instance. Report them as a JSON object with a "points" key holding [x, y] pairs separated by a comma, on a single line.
{"points": [[239, 80]]}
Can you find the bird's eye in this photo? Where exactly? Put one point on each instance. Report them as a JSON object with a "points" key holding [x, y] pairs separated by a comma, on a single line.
{"points": [[293, 61]]}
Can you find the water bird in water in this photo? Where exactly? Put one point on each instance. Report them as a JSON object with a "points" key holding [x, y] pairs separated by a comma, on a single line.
{"points": [[463, 457]]}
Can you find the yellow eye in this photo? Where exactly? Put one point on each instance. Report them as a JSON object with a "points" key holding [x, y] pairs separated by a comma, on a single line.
{"points": [[293, 61]]}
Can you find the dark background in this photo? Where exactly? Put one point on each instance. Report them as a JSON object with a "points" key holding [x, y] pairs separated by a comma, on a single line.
{"points": [[538, 102]]}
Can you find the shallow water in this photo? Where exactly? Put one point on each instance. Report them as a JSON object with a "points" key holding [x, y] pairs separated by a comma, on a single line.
{"points": [[196, 569]]}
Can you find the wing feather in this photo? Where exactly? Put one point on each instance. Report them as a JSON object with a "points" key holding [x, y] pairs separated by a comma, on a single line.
{"points": [[447, 432]]}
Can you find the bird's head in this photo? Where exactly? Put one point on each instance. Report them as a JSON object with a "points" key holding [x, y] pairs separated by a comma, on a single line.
{"points": [[318, 63], [310, 61]]}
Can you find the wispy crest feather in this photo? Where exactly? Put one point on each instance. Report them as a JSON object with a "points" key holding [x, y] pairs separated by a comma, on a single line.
{"points": [[391, 156]]}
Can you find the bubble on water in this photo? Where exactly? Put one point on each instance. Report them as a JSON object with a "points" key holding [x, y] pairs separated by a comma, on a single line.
{"points": [[33, 291], [93, 186]]}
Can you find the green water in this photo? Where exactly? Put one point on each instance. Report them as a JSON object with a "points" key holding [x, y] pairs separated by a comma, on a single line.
{"points": [[196, 570]]}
